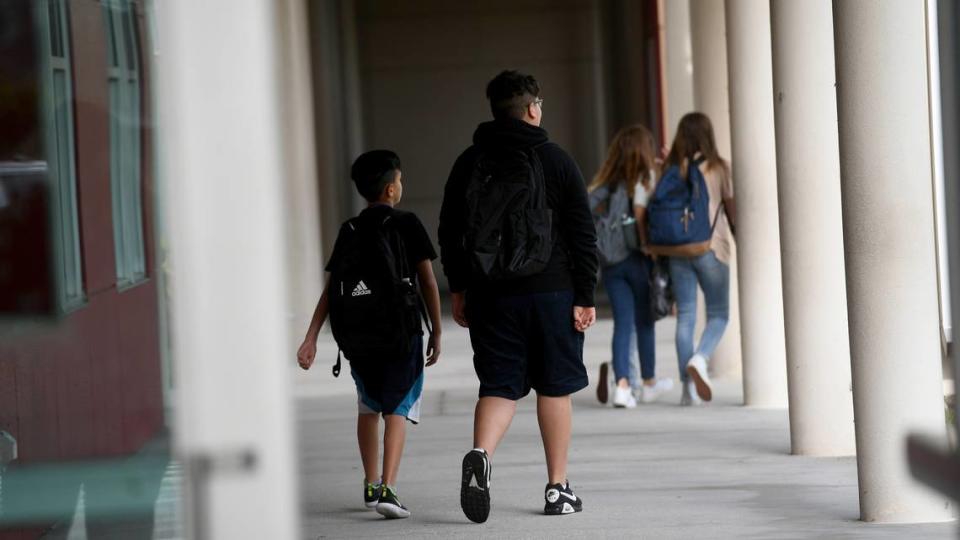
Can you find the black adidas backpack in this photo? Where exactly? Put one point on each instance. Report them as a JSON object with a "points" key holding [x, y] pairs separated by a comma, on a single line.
{"points": [[509, 230], [375, 308]]}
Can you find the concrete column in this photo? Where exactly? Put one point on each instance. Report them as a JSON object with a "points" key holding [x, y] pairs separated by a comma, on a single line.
{"points": [[679, 65], [758, 230], [708, 30], [948, 37], [220, 141], [337, 111], [708, 43], [814, 290], [939, 178], [888, 230], [301, 199]]}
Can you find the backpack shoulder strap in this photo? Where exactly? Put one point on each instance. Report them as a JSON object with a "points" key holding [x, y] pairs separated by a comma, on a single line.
{"points": [[540, 179], [695, 165], [716, 216], [535, 156], [399, 247], [409, 273], [423, 313], [405, 271]]}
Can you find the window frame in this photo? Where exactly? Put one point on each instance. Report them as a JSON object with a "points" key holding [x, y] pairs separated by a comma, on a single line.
{"points": [[57, 112], [125, 124]]}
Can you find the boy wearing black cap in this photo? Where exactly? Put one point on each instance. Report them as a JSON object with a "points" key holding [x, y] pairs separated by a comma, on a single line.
{"points": [[390, 383]]}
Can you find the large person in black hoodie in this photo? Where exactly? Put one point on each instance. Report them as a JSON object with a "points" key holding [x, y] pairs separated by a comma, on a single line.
{"points": [[526, 332]]}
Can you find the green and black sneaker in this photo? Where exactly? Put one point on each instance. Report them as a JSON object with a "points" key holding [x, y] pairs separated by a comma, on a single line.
{"points": [[389, 505], [371, 494]]}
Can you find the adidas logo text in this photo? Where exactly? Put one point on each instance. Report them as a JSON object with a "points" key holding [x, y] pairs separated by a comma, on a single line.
{"points": [[361, 290]]}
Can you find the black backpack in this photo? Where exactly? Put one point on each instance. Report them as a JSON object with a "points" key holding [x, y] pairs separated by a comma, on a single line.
{"points": [[509, 230], [375, 307]]}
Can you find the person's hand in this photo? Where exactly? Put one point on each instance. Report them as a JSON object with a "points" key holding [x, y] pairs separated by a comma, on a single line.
{"points": [[459, 308], [306, 354], [584, 317], [433, 349]]}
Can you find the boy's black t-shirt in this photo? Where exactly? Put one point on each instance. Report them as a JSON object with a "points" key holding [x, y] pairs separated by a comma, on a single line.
{"points": [[408, 225]]}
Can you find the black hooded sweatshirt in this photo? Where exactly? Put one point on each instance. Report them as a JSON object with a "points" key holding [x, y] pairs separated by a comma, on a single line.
{"points": [[573, 260]]}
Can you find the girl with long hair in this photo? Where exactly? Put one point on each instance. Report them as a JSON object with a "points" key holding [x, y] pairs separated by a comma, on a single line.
{"points": [[630, 166], [695, 146]]}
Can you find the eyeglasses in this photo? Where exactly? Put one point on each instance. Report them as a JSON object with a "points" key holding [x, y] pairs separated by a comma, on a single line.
{"points": [[538, 102]]}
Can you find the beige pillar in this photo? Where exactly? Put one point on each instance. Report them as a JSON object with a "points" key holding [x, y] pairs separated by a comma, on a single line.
{"points": [[708, 39], [304, 281], [708, 43], [888, 227], [758, 230], [679, 64], [814, 290], [220, 115]]}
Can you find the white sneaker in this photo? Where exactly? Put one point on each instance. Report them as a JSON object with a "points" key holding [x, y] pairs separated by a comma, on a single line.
{"points": [[650, 393], [697, 369], [690, 397], [623, 397]]}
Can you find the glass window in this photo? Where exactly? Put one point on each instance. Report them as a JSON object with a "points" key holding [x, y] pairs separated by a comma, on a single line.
{"points": [[57, 105], [123, 76]]}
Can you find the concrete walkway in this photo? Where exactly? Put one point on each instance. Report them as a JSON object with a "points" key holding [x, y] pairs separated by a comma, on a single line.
{"points": [[658, 471]]}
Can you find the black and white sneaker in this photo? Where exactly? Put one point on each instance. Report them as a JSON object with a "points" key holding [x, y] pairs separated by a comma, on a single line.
{"points": [[475, 485], [371, 494], [389, 504], [560, 500]]}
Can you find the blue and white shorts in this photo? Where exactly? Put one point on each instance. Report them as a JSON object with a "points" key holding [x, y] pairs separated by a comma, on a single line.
{"points": [[409, 407], [396, 387]]}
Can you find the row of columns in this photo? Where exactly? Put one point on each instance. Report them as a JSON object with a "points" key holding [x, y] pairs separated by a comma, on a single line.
{"points": [[831, 156]]}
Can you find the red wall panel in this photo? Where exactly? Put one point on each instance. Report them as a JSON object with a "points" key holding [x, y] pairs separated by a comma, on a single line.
{"points": [[92, 113]]}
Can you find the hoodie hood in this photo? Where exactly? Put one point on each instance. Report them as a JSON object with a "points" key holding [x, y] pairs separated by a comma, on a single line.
{"points": [[509, 133]]}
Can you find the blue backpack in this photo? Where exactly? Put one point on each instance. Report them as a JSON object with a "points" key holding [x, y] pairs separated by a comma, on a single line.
{"points": [[678, 214]]}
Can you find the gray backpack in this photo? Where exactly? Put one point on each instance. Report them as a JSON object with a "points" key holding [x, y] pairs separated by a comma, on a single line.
{"points": [[615, 223]]}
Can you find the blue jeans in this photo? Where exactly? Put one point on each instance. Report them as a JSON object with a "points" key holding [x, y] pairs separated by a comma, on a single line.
{"points": [[628, 286], [713, 277]]}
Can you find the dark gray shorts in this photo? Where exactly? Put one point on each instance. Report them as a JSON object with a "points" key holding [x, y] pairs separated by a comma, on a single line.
{"points": [[526, 342]]}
